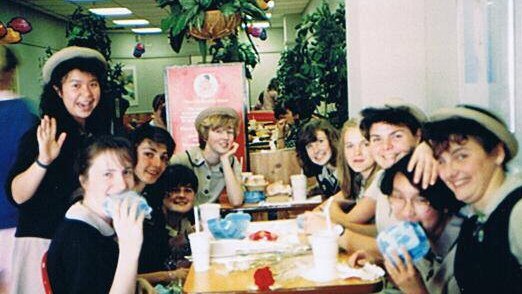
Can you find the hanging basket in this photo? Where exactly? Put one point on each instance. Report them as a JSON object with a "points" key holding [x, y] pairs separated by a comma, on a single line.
{"points": [[216, 25]]}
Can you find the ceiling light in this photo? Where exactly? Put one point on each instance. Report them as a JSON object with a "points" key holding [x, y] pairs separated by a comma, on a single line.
{"points": [[111, 11], [130, 22], [260, 24], [147, 30]]}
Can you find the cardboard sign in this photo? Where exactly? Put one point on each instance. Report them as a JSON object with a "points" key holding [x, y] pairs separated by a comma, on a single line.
{"points": [[193, 88]]}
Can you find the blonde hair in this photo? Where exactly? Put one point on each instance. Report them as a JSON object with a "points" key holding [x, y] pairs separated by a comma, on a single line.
{"points": [[344, 172], [212, 122]]}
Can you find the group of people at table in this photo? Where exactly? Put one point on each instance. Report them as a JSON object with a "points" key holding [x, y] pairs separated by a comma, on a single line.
{"points": [[393, 163]]}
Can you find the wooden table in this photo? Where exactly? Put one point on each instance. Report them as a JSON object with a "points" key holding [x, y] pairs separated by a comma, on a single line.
{"points": [[217, 280], [241, 282]]}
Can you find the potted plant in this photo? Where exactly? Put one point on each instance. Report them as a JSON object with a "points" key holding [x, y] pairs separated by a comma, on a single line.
{"points": [[314, 72], [207, 19]]}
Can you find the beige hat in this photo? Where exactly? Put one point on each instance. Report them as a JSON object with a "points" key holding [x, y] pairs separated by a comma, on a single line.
{"points": [[66, 54], [498, 128], [216, 110]]}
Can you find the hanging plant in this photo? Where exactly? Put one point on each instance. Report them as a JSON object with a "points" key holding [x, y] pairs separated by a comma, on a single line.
{"points": [[193, 19], [314, 72]]}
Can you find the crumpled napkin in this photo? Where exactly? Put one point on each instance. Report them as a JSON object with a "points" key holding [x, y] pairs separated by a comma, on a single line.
{"points": [[143, 206], [367, 273]]}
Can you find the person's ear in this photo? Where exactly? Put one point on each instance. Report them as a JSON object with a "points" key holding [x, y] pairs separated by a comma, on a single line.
{"points": [[418, 136], [83, 181], [58, 91], [499, 153]]}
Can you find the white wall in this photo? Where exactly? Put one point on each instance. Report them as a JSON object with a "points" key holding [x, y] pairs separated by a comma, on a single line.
{"points": [[386, 52], [435, 54]]}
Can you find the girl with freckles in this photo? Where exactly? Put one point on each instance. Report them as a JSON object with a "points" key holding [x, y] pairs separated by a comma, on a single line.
{"points": [[42, 179]]}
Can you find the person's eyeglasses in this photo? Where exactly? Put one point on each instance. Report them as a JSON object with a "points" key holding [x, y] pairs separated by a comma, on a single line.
{"points": [[419, 203]]}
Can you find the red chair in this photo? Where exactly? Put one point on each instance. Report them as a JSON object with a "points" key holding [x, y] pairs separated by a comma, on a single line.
{"points": [[45, 277]]}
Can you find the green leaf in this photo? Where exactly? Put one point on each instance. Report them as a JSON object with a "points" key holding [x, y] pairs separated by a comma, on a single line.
{"points": [[199, 19], [202, 44], [228, 9], [191, 17], [179, 25], [167, 23], [177, 40], [188, 4], [254, 11], [205, 3]]}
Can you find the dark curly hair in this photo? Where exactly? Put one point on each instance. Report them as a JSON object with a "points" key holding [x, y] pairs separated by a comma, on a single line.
{"points": [[441, 198], [52, 105], [307, 135], [399, 115], [155, 134]]}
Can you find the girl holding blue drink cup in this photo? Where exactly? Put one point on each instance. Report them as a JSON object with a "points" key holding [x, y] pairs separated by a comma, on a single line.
{"points": [[434, 210], [92, 251]]}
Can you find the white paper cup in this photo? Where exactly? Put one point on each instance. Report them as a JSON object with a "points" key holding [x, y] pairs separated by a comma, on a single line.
{"points": [[200, 247], [208, 211], [298, 187], [245, 176], [325, 250]]}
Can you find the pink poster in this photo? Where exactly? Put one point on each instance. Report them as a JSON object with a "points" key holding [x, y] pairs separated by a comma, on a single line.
{"points": [[193, 88]]}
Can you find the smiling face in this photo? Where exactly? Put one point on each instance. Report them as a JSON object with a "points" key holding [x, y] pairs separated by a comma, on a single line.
{"points": [[408, 205], [180, 199], [319, 151], [220, 140], [357, 151], [468, 170], [389, 143], [108, 174], [152, 161], [80, 92]]}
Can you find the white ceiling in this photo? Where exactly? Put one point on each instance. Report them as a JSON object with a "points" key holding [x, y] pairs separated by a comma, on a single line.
{"points": [[147, 9]]}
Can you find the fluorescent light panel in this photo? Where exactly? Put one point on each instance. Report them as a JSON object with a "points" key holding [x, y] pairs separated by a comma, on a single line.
{"points": [[147, 30], [111, 11], [261, 24], [130, 22]]}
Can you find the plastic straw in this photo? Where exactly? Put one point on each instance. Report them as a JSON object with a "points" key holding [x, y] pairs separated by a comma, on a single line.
{"points": [[196, 218], [327, 212]]}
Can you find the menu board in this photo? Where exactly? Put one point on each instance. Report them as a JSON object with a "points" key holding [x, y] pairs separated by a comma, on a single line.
{"points": [[191, 89]]}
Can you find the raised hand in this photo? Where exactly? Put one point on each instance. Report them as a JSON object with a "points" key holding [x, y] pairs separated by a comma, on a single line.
{"points": [[128, 225], [404, 274], [230, 152], [425, 165], [359, 258], [48, 146]]}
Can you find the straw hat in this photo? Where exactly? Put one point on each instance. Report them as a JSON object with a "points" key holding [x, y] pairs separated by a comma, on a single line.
{"points": [[498, 128], [66, 54]]}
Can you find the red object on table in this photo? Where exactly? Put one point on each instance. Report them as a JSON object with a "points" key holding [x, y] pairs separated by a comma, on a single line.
{"points": [[263, 278], [263, 235], [261, 115]]}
